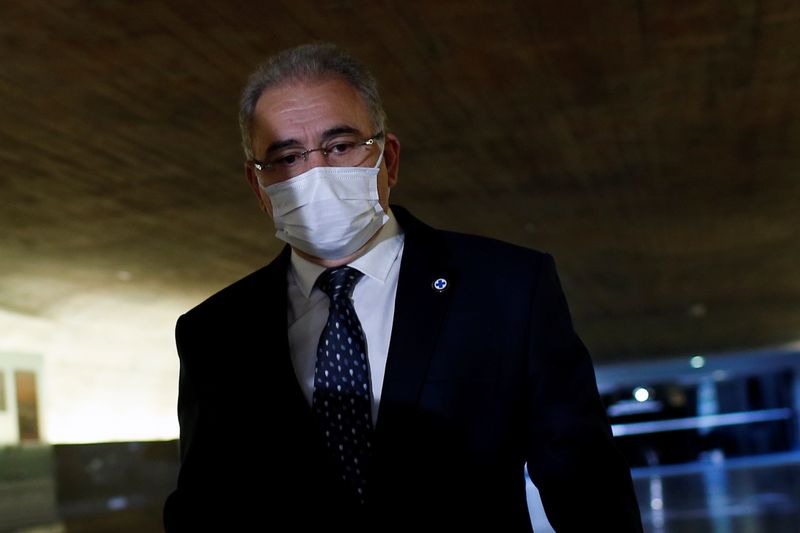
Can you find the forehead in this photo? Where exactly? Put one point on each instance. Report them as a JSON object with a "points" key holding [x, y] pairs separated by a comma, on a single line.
{"points": [[303, 110]]}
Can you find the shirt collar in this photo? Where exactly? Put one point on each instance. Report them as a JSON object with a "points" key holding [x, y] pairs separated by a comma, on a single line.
{"points": [[376, 262]]}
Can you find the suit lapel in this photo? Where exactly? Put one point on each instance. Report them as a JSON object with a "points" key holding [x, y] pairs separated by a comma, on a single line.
{"points": [[419, 311], [268, 327], [295, 440]]}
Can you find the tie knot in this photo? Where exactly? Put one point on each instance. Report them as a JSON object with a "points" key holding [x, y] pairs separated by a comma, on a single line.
{"points": [[339, 281]]}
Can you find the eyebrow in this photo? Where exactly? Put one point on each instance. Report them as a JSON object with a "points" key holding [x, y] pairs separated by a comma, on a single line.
{"points": [[327, 134]]}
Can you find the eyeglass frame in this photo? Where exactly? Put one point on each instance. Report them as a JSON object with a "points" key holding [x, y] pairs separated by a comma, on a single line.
{"points": [[263, 166]]}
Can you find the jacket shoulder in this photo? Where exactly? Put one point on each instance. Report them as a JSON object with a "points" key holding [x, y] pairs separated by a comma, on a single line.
{"points": [[485, 256], [457, 241], [490, 246], [261, 285]]}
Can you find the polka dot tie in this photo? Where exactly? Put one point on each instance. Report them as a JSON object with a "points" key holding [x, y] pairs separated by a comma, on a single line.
{"points": [[342, 391]]}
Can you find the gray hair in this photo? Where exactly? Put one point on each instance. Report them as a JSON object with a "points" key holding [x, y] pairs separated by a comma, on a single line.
{"points": [[308, 62]]}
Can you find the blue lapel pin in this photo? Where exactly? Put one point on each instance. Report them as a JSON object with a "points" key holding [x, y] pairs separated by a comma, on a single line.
{"points": [[440, 284]]}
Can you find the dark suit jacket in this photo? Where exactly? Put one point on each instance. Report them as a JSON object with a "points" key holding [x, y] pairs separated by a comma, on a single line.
{"points": [[481, 378]]}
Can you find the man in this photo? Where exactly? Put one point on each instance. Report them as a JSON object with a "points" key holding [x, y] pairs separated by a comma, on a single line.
{"points": [[379, 375]]}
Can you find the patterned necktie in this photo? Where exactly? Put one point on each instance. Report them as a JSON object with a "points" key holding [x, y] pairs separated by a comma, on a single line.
{"points": [[342, 391]]}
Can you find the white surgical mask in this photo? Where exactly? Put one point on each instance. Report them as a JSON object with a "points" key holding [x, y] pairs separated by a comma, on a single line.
{"points": [[328, 212]]}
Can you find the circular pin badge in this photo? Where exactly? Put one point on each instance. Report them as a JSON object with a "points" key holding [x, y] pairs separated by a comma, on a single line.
{"points": [[440, 284]]}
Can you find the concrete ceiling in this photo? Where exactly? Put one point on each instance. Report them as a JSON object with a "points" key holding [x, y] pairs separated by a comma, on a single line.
{"points": [[651, 146]]}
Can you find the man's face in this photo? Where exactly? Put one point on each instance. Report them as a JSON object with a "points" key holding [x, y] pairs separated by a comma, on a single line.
{"points": [[304, 112]]}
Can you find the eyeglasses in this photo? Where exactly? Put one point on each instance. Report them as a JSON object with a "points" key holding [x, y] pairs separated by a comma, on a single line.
{"points": [[342, 150]]}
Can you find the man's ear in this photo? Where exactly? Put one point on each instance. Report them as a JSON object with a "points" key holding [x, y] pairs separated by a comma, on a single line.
{"points": [[252, 180], [391, 156]]}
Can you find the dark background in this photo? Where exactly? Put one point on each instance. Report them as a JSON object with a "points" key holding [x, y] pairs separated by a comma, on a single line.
{"points": [[650, 146]]}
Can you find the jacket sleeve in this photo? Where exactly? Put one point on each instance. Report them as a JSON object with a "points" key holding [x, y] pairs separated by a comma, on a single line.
{"points": [[177, 509], [583, 480]]}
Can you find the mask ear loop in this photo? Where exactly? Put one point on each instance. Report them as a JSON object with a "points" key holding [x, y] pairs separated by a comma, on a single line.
{"points": [[377, 165], [380, 157]]}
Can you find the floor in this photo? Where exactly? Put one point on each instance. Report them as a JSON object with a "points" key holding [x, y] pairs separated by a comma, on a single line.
{"points": [[716, 495]]}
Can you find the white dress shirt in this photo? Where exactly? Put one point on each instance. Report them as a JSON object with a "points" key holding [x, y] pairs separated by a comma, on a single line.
{"points": [[373, 299]]}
